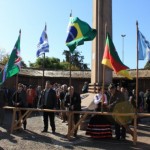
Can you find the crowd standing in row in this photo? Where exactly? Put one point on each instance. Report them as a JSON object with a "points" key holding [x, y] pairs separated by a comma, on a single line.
{"points": [[55, 96]]}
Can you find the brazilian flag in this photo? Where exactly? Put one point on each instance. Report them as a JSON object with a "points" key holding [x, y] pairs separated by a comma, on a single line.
{"points": [[78, 32]]}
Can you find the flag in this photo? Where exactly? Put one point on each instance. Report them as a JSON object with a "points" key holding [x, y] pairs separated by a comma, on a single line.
{"points": [[14, 63], [143, 47], [112, 60], [43, 45], [78, 32]]}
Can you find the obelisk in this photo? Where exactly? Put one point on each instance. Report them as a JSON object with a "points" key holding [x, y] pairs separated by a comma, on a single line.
{"points": [[102, 21]]}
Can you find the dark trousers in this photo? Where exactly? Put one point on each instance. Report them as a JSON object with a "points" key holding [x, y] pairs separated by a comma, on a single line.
{"points": [[148, 109], [51, 117], [120, 131]]}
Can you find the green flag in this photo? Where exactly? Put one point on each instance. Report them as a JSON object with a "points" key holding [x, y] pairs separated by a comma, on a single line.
{"points": [[14, 63], [78, 32]]}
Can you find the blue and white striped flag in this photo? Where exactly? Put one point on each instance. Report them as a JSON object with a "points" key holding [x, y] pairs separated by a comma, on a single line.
{"points": [[43, 45], [143, 47]]}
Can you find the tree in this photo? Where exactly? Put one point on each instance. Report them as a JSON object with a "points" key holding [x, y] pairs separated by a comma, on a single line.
{"points": [[55, 64], [3, 56], [49, 63], [4, 59], [76, 60], [67, 55], [23, 64]]}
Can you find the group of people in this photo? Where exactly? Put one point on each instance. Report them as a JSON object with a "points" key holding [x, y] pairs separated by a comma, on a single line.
{"points": [[143, 103], [51, 97], [100, 126], [65, 98]]}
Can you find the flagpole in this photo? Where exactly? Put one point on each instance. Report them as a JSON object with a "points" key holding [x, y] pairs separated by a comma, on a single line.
{"points": [[70, 116], [43, 68], [136, 109], [17, 73], [137, 67], [16, 87], [103, 84], [70, 72], [70, 65]]}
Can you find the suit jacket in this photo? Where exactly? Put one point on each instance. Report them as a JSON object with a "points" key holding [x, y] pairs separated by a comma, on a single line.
{"points": [[20, 97], [116, 98], [3, 98], [51, 99], [75, 101]]}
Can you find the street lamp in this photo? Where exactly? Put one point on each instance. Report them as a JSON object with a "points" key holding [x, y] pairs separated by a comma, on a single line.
{"points": [[123, 35]]}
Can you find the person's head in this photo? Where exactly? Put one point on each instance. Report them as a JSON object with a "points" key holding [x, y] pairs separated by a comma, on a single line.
{"points": [[122, 89], [39, 87], [99, 89], [112, 88], [30, 86], [20, 87], [147, 90], [64, 87], [85, 83], [118, 88], [133, 91], [48, 85], [25, 87], [71, 90]]}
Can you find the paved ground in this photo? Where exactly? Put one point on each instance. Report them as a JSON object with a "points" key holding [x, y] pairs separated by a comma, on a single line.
{"points": [[32, 138]]}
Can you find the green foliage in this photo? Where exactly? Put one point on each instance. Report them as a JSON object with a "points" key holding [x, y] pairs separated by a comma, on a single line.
{"points": [[67, 55], [76, 60], [53, 63], [4, 59], [23, 64], [49, 63]]}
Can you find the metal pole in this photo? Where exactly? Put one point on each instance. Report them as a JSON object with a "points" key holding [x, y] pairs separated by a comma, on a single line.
{"points": [[123, 35], [43, 77]]}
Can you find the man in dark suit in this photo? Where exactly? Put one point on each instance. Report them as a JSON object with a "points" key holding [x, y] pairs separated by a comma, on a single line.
{"points": [[3, 101], [49, 101], [115, 98], [19, 99]]}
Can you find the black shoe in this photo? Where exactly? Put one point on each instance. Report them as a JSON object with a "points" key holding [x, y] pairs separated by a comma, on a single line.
{"points": [[117, 138], [75, 134], [24, 127], [123, 138], [53, 132], [44, 131]]}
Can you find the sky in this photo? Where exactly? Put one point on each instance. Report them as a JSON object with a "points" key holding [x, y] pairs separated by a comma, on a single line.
{"points": [[31, 15]]}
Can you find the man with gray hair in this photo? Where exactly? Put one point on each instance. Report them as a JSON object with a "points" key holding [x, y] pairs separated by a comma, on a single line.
{"points": [[73, 102], [49, 101], [62, 102]]}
